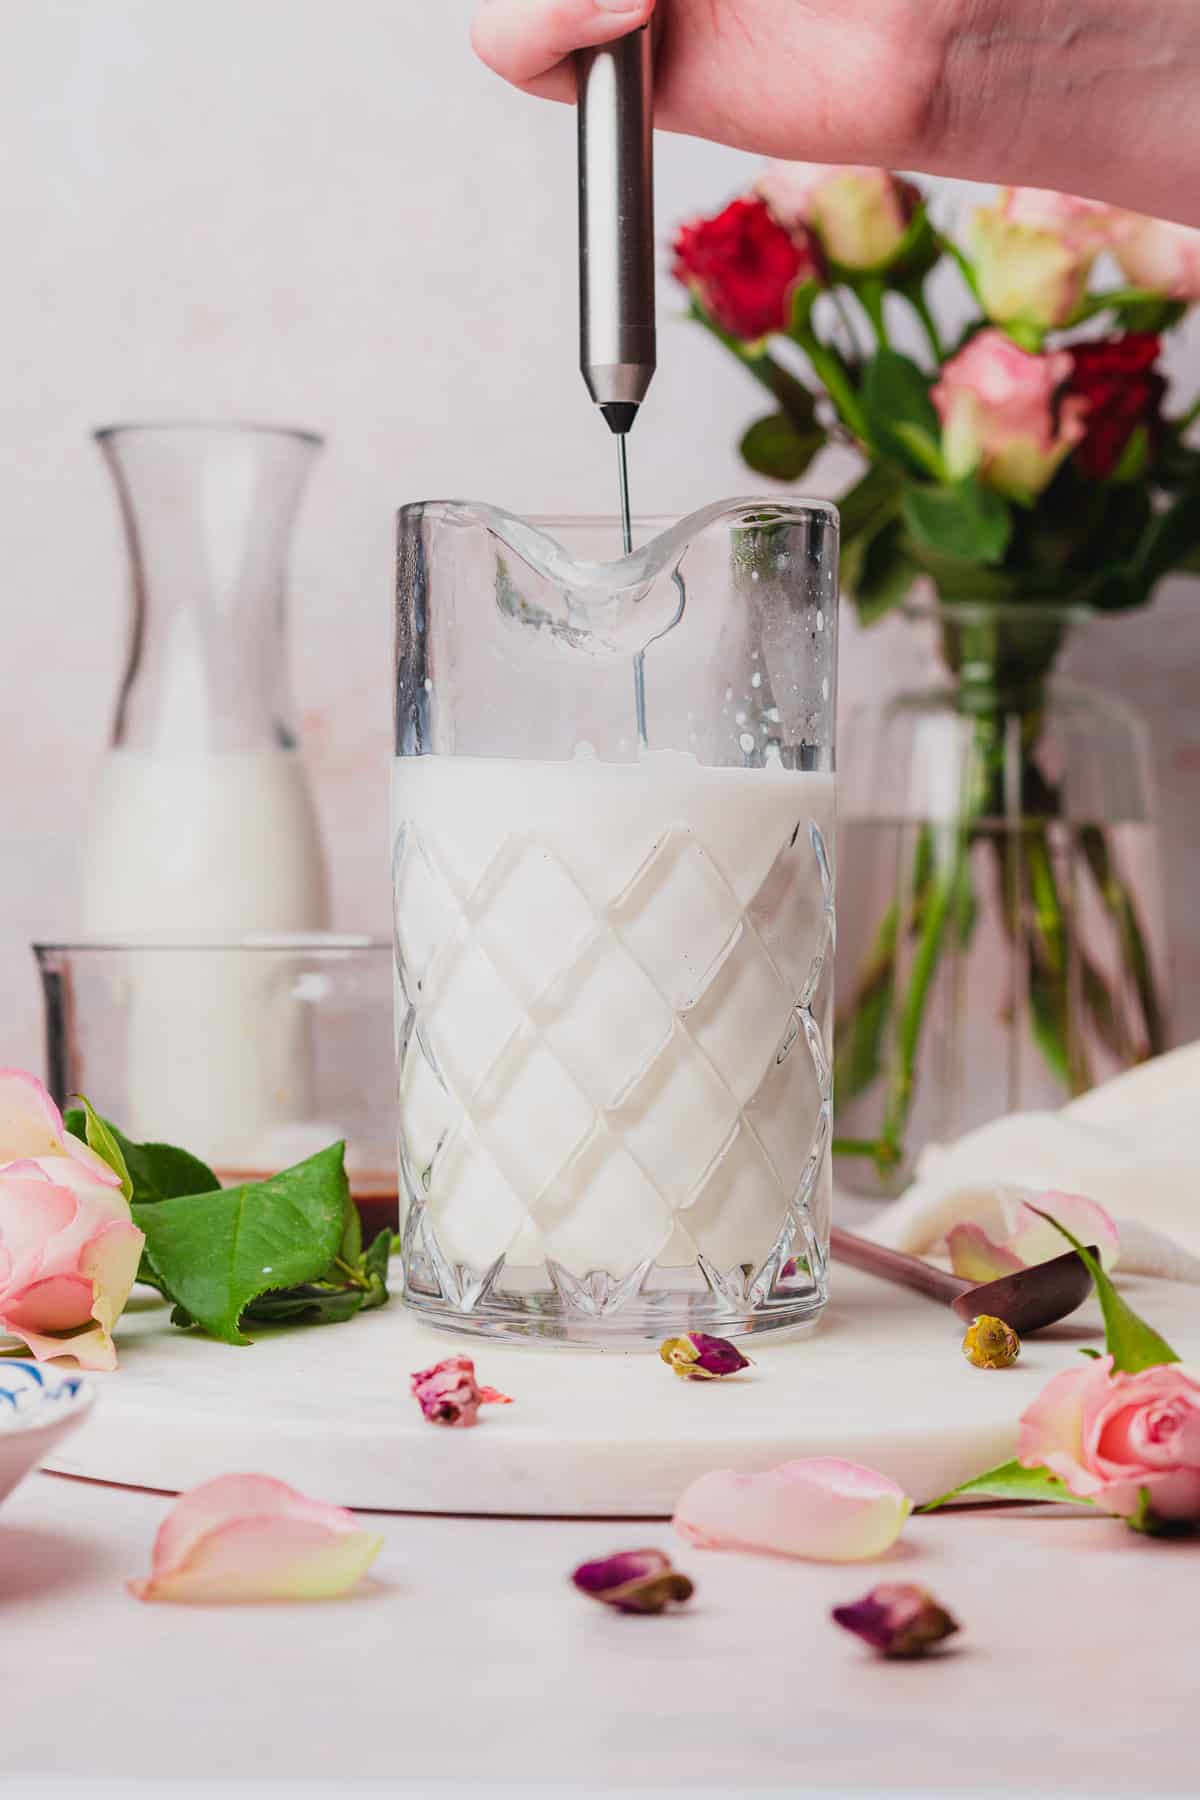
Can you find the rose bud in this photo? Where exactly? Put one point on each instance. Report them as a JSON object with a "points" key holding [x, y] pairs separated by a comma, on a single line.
{"points": [[1001, 414], [861, 216], [1122, 390], [1159, 255], [634, 1581], [742, 268], [990, 1343], [448, 1393], [1033, 252], [697, 1357], [897, 1619]]}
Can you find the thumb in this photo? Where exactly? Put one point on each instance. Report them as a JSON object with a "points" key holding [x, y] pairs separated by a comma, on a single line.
{"points": [[526, 41]]}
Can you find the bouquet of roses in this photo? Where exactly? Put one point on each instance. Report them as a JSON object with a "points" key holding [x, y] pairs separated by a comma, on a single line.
{"points": [[1026, 464]]}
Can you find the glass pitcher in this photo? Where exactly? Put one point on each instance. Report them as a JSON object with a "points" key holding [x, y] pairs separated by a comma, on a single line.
{"points": [[202, 825], [613, 880]]}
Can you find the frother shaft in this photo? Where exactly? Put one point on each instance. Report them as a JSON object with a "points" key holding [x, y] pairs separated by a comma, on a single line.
{"points": [[616, 223]]}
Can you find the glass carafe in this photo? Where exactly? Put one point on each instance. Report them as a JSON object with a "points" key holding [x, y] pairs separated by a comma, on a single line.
{"points": [[203, 828], [613, 876]]}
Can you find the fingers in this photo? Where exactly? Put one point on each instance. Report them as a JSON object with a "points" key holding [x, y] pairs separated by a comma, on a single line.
{"points": [[526, 41]]}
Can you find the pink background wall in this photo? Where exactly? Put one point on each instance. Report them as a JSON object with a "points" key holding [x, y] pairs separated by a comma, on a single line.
{"points": [[317, 214]]}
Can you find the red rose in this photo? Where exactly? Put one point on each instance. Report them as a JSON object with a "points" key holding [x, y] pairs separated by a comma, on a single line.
{"points": [[1117, 379], [742, 267]]}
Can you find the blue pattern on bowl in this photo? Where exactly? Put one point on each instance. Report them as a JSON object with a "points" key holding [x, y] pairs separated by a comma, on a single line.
{"points": [[32, 1395]]}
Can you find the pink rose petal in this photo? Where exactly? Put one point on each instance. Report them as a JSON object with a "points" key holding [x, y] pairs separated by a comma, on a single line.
{"points": [[820, 1507], [1022, 1238], [32, 1126], [249, 1537]]}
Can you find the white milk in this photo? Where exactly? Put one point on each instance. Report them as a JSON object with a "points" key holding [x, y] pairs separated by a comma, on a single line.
{"points": [[604, 961], [187, 847]]}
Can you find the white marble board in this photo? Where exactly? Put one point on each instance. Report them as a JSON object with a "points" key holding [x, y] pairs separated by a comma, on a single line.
{"points": [[592, 1434]]}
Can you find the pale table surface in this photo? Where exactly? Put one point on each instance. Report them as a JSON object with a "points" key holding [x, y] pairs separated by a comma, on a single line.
{"points": [[469, 1665]]}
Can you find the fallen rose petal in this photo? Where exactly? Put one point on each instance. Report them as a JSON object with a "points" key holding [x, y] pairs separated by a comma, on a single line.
{"points": [[634, 1581], [249, 1537], [1015, 1237], [698, 1357], [819, 1507], [897, 1619], [449, 1394]]}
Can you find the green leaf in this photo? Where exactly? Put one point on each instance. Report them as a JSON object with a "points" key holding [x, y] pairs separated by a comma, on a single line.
{"points": [[880, 572], [85, 1122], [966, 521], [895, 395], [217, 1251], [875, 498], [1011, 1481], [1092, 1355], [1131, 1343], [778, 448], [1146, 1520], [156, 1171]]}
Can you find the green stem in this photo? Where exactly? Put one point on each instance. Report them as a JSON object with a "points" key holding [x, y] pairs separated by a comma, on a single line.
{"points": [[1120, 904], [871, 293], [794, 398], [831, 371], [916, 299], [944, 896]]}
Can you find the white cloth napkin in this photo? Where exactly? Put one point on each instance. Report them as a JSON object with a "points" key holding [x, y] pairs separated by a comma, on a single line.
{"points": [[1132, 1144]]}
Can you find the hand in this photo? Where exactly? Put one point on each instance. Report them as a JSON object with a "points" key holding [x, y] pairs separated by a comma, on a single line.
{"points": [[1080, 95]]}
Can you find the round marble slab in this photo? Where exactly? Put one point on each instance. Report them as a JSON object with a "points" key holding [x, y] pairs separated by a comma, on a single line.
{"points": [[592, 1434]]}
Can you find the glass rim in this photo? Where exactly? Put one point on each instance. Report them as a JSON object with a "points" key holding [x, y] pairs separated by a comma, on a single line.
{"points": [[801, 505], [297, 943], [230, 427]]}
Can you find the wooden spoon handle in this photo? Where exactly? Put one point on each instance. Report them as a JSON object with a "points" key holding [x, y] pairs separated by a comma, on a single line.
{"points": [[894, 1265]]}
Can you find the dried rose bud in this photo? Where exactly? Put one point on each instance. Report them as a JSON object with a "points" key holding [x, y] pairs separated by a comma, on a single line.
{"points": [[448, 1394], [991, 1344], [634, 1581], [698, 1357], [897, 1619]]}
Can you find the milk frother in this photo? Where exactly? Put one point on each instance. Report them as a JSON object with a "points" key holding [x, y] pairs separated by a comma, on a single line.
{"points": [[615, 107]]}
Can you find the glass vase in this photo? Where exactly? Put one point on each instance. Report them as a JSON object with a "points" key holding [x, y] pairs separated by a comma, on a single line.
{"points": [[613, 799], [202, 827], [1001, 938]]}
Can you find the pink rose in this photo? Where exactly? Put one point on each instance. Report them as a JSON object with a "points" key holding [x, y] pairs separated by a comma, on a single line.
{"points": [[1156, 254], [1033, 251], [249, 1537], [69, 1249], [1109, 1436], [860, 215], [1001, 414]]}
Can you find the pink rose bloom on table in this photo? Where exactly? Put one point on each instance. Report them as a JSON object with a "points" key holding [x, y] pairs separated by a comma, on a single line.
{"points": [[1002, 415], [1113, 1438], [861, 216], [69, 1250], [1156, 254], [1033, 252]]}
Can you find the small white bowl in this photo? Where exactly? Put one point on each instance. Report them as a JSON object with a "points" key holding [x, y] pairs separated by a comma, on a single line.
{"points": [[38, 1406]]}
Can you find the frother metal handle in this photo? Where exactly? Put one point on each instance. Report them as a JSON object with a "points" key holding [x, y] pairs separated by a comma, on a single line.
{"points": [[617, 351]]}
